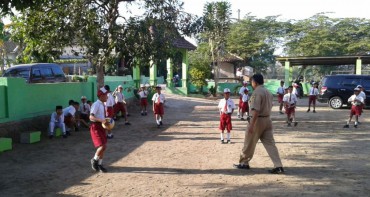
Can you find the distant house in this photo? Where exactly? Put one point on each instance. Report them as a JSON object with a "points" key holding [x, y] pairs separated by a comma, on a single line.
{"points": [[9, 52], [230, 65]]}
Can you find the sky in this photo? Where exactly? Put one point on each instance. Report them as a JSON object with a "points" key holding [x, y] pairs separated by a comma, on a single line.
{"points": [[289, 9]]}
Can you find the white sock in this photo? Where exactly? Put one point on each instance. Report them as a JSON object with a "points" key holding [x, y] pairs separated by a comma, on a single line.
{"points": [[356, 123], [100, 161], [96, 157], [228, 136], [222, 136], [157, 121], [160, 119], [238, 114]]}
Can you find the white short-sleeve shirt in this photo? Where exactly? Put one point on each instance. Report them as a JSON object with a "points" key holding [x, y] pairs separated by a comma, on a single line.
{"points": [[230, 105], [69, 110], [98, 109], [110, 101], [290, 98], [157, 96]]}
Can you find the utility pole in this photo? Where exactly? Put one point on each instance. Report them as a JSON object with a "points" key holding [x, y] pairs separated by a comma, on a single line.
{"points": [[238, 14]]}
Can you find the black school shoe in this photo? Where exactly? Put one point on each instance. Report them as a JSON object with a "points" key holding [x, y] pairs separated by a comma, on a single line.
{"points": [[102, 169], [242, 166], [346, 126], [278, 170], [94, 165]]}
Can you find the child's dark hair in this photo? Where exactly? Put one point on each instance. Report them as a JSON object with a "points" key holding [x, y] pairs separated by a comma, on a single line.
{"points": [[58, 107], [76, 103], [70, 102]]}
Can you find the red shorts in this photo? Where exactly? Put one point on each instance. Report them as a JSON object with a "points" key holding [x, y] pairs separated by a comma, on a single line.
{"points": [[280, 98], [110, 112], [356, 110], [119, 107], [144, 102], [312, 99], [98, 135], [245, 107], [158, 108], [240, 102], [290, 110], [225, 122]]}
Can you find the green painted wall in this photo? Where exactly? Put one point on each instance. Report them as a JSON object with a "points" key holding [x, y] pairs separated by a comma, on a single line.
{"points": [[3, 106], [20, 100]]}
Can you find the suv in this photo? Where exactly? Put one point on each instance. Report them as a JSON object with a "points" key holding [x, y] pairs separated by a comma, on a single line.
{"points": [[37, 73], [336, 89]]}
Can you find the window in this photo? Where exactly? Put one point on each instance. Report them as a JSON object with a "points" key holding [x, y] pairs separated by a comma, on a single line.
{"points": [[58, 72], [36, 73], [366, 84], [351, 82], [47, 72]]}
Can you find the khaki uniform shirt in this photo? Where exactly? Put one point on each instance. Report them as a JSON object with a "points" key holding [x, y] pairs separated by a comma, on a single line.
{"points": [[261, 100]]}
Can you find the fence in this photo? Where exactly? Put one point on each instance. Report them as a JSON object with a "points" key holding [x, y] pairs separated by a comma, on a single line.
{"points": [[20, 100]]}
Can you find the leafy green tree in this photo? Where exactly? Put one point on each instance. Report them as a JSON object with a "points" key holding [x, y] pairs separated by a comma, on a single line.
{"points": [[199, 63]]}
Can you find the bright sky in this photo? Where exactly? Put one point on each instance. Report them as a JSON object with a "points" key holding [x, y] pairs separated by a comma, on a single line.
{"points": [[289, 9]]}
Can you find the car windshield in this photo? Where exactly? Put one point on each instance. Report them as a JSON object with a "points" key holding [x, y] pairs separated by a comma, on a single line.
{"points": [[23, 72]]}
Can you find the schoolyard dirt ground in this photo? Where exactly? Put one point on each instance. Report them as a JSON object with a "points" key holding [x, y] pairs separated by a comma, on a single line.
{"points": [[185, 157]]}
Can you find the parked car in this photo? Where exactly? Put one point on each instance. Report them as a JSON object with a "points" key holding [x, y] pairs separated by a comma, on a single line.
{"points": [[37, 72], [336, 89]]}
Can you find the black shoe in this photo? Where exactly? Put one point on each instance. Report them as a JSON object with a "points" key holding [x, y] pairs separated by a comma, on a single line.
{"points": [[64, 136], [77, 129], [295, 124], [228, 141], [238, 116], [102, 169], [289, 125], [355, 125], [128, 115], [280, 112], [51, 136], [278, 170], [241, 118], [346, 126], [145, 113], [110, 136], [222, 142], [68, 133], [309, 110], [94, 165], [161, 123], [127, 123], [241, 166], [142, 113], [314, 111], [158, 125]]}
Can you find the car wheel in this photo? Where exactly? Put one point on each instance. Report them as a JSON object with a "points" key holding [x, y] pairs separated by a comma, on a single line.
{"points": [[336, 102]]}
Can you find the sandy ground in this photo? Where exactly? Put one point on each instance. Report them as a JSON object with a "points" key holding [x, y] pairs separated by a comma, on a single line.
{"points": [[185, 158]]}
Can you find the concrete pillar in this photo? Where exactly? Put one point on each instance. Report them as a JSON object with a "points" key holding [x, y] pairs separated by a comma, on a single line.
{"points": [[287, 73], [169, 72], [358, 66], [153, 74], [185, 68], [136, 73]]}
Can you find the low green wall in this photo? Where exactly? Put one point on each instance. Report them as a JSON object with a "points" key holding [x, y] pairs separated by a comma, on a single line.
{"points": [[20, 100]]}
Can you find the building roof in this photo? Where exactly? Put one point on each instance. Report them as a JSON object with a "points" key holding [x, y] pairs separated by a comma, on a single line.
{"points": [[181, 43], [332, 61], [230, 58], [10, 47]]}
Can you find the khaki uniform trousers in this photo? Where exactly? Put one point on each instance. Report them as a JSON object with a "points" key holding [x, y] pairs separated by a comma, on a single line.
{"points": [[263, 131]]}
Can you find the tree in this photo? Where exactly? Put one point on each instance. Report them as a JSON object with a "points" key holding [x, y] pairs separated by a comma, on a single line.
{"points": [[93, 24], [199, 63], [216, 25]]}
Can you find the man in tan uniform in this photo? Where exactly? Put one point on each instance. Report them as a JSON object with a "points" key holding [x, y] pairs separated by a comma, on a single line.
{"points": [[260, 127]]}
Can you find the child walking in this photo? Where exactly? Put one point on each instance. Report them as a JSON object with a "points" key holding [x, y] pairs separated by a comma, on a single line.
{"points": [[245, 106], [280, 93], [226, 107], [143, 94], [314, 91]]}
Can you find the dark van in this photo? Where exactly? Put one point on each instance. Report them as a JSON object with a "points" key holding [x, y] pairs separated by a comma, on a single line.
{"points": [[336, 89], [37, 72]]}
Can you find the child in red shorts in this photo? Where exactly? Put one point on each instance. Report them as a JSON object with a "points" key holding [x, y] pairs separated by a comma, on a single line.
{"points": [[312, 96], [226, 107], [280, 94], [143, 94], [357, 102], [97, 132], [158, 102], [245, 106], [290, 101]]}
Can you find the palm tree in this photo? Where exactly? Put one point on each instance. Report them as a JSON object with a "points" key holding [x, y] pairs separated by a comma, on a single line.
{"points": [[216, 17]]}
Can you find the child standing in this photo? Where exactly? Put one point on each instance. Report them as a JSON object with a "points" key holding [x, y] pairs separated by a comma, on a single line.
{"points": [[158, 102], [57, 120], [280, 94], [245, 106], [357, 102], [290, 101], [226, 107], [314, 91], [97, 132], [143, 94], [241, 91], [109, 104]]}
